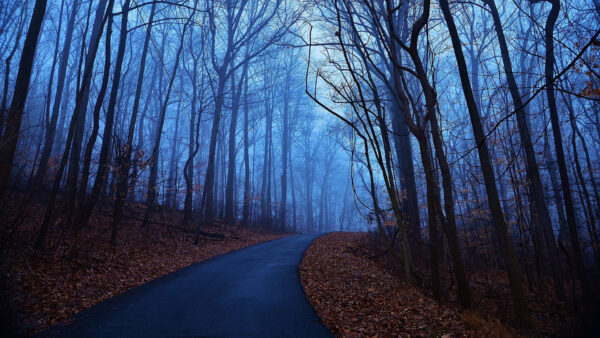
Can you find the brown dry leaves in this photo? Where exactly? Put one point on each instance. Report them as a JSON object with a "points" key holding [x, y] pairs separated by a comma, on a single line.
{"points": [[46, 290], [355, 296]]}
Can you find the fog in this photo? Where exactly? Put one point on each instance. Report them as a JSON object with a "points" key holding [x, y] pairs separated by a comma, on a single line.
{"points": [[443, 126]]}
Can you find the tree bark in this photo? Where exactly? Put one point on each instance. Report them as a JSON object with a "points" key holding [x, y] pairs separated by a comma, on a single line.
{"points": [[80, 103], [123, 171], [519, 301], [87, 158], [247, 186], [151, 201], [60, 84], [558, 145], [285, 148], [539, 208], [230, 203], [105, 149], [10, 138]]}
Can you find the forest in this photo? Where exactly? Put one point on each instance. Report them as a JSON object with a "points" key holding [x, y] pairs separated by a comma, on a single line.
{"points": [[461, 137]]}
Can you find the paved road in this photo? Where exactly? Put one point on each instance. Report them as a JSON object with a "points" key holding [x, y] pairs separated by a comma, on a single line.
{"points": [[252, 292]]}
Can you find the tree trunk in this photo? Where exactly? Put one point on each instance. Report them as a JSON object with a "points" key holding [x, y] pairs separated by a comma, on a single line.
{"points": [[539, 208], [558, 145], [409, 197], [285, 148], [171, 193], [60, 84], [292, 188], [105, 149], [506, 246], [154, 162], [247, 187], [48, 99], [7, 63], [10, 138], [193, 146], [81, 100], [123, 169], [230, 203], [87, 158], [590, 219], [209, 180]]}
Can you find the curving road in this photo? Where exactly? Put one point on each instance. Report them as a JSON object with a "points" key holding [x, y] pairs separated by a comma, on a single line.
{"points": [[252, 292]]}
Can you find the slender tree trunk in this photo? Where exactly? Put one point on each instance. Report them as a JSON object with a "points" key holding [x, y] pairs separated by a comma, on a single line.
{"points": [[171, 193], [60, 84], [586, 201], [293, 189], [48, 99], [76, 144], [264, 191], [193, 146], [247, 187], [540, 210], [105, 149], [588, 160], [433, 214], [123, 171], [7, 63], [10, 138], [230, 203], [558, 145], [409, 197], [81, 100], [151, 201], [506, 246], [209, 180], [270, 198], [87, 158], [449, 223], [285, 149]]}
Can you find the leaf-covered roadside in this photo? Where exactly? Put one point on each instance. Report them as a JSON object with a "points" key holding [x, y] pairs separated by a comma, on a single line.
{"points": [[358, 290], [354, 296], [43, 290]]}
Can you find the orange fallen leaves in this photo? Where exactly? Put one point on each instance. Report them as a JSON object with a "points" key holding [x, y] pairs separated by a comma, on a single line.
{"points": [[356, 297], [49, 288]]}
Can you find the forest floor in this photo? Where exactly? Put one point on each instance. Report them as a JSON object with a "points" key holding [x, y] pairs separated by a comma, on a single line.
{"points": [[41, 290], [359, 290]]}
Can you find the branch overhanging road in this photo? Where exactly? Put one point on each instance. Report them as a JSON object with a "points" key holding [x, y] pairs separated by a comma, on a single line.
{"points": [[251, 292]]}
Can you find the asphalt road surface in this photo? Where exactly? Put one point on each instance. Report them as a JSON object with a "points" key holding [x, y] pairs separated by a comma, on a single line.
{"points": [[252, 292]]}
